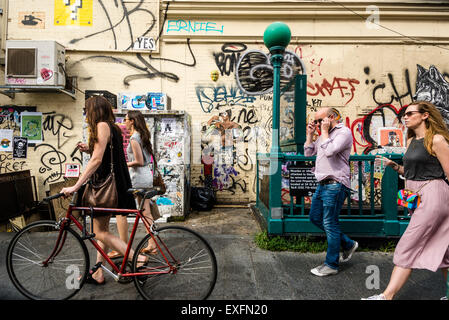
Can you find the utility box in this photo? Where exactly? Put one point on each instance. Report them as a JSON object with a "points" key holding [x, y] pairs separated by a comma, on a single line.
{"points": [[30, 63]]}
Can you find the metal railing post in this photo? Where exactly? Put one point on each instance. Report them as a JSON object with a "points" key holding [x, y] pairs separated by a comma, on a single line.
{"points": [[389, 202]]}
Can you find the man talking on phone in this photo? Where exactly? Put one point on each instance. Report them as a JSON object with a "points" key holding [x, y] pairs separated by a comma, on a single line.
{"points": [[332, 149]]}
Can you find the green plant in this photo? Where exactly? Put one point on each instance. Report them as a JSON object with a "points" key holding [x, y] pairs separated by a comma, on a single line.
{"points": [[292, 243], [316, 244]]}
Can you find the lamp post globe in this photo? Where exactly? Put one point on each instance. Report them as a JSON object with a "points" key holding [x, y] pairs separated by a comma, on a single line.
{"points": [[277, 34], [276, 38]]}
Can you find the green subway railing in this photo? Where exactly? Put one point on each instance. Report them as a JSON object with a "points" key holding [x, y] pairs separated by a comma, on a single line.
{"points": [[378, 215]]}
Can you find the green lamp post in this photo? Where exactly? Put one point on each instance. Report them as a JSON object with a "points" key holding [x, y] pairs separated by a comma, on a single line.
{"points": [[276, 38]]}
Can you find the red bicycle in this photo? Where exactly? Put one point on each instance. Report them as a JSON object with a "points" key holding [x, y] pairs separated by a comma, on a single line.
{"points": [[49, 259]]}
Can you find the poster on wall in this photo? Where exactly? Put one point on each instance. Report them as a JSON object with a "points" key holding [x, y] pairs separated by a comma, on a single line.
{"points": [[390, 137], [31, 126], [73, 13], [20, 147], [31, 19], [6, 140], [302, 181], [132, 101], [72, 170]]}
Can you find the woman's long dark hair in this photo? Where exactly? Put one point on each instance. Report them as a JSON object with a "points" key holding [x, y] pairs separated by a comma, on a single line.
{"points": [[141, 127], [98, 109]]}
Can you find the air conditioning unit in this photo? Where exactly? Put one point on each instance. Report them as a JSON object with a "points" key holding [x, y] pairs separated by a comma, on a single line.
{"points": [[31, 63]]}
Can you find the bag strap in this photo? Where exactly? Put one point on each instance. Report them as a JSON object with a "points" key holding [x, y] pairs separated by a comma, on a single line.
{"points": [[422, 186], [111, 147]]}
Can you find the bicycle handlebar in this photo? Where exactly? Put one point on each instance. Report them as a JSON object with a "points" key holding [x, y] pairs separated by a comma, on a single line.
{"points": [[55, 196]]}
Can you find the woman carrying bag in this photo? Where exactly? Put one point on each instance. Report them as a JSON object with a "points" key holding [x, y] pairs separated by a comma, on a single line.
{"points": [[424, 244], [106, 167], [140, 164]]}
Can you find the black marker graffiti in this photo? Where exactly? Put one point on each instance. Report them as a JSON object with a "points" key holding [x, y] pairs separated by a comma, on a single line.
{"points": [[396, 96], [59, 125], [125, 17], [254, 73], [50, 159], [150, 72], [227, 59]]}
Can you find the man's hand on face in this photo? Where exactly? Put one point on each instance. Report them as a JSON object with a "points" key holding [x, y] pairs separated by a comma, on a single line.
{"points": [[310, 129], [325, 125]]}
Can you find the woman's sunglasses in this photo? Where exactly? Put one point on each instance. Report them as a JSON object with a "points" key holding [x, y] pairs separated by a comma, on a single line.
{"points": [[410, 113]]}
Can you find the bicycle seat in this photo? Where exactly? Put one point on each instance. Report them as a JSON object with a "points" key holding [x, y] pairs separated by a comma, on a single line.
{"points": [[146, 193]]}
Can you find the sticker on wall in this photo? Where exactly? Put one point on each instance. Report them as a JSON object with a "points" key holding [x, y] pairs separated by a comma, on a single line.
{"points": [[31, 126], [46, 74], [20, 147], [390, 137], [6, 140], [145, 43], [132, 101], [168, 127], [33, 20], [156, 101], [73, 13], [72, 170], [214, 75]]}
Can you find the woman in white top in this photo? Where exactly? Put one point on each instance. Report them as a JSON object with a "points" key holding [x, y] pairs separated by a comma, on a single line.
{"points": [[140, 165]]}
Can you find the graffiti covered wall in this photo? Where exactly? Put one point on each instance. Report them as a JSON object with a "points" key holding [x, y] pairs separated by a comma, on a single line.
{"points": [[214, 67]]}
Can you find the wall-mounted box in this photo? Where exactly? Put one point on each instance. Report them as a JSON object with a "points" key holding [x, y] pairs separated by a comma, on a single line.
{"points": [[32, 63], [112, 98]]}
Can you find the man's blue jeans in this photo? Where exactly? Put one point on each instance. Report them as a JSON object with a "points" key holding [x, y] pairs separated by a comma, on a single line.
{"points": [[326, 205]]}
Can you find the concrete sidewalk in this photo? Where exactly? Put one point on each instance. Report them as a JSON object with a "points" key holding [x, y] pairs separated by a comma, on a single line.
{"points": [[246, 272]]}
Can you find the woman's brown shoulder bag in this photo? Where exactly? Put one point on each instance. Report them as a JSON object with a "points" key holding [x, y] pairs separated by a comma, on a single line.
{"points": [[158, 181], [101, 194]]}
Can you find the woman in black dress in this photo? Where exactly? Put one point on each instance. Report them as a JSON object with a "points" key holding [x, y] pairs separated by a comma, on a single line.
{"points": [[101, 125]]}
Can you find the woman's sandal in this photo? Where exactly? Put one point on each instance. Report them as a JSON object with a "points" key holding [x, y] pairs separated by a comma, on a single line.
{"points": [[114, 254], [90, 279], [141, 262], [151, 251]]}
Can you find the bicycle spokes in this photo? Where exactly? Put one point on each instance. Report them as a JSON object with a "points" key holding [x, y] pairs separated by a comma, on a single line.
{"points": [[184, 268]]}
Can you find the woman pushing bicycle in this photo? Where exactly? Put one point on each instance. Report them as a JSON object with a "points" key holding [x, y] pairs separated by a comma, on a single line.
{"points": [[105, 146]]}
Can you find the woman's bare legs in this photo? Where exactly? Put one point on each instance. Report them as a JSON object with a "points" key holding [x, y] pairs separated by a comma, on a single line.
{"points": [[399, 277], [151, 247], [107, 240], [122, 227]]}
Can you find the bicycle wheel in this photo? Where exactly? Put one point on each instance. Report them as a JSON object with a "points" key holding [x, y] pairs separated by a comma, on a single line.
{"points": [[194, 266], [59, 279]]}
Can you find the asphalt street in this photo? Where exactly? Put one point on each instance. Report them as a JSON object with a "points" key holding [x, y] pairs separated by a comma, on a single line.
{"points": [[246, 272]]}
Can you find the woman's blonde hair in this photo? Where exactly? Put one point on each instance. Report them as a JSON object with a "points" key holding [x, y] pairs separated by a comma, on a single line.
{"points": [[435, 124]]}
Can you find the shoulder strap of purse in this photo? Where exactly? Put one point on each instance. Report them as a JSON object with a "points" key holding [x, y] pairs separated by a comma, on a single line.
{"points": [[111, 147], [422, 186]]}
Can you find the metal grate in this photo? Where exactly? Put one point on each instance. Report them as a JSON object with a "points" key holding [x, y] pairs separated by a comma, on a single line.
{"points": [[21, 62]]}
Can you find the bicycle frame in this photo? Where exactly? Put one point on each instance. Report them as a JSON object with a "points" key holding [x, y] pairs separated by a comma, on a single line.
{"points": [[120, 271]]}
